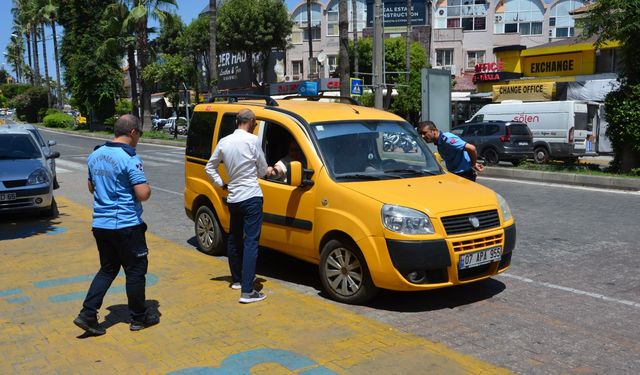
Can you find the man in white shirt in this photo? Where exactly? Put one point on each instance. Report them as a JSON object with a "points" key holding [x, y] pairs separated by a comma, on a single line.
{"points": [[245, 163]]}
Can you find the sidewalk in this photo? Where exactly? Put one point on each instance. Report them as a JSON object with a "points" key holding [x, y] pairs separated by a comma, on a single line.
{"points": [[47, 268]]}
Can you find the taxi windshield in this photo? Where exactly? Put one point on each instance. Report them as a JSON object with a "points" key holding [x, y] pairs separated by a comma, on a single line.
{"points": [[373, 150]]}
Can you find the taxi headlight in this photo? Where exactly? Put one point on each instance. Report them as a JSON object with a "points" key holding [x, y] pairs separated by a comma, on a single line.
{"points": [[504, 207], [39, 176], [405, 220]]}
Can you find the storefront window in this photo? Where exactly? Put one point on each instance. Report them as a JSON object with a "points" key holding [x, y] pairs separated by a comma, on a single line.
{"points": [[519, 16], [560, 21]]}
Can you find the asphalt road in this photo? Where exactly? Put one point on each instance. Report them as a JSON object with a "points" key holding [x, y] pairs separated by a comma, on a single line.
{"points": [[570, 303]]}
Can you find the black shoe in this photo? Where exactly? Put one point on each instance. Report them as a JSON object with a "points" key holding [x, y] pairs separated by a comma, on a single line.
{"points": [[149, 320], [89, 325]]}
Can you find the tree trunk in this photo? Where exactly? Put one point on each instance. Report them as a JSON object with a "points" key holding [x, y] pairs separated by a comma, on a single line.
{"points": [[143, 50], [387, 97], [36, 58], [28, 35], [46, 66], [133, 77], [57, 60], [343, 32], [629, 159], [213, 46]]}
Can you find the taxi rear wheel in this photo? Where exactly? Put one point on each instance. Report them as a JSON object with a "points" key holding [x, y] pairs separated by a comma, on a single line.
{"points": [[344, 273], [208, 232]]}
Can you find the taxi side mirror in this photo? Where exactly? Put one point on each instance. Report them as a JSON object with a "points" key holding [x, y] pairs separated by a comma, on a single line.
{"points": [[298, 176]]}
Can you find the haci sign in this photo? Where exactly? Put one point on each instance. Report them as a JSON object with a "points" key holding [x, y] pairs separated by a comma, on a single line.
{"points": [[488, 72]]}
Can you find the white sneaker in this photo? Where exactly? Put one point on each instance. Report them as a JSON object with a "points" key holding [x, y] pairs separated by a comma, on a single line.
{"points": [[236, 286], [254, 296]]}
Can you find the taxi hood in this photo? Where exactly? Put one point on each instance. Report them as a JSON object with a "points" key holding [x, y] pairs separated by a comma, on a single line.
{"points": [[434, 195]]}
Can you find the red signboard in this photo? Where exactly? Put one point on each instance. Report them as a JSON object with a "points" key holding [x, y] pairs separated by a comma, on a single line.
{"points": [[492, 67]]}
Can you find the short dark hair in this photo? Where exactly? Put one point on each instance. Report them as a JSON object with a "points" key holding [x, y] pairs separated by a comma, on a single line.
{"points": [[125, 124], [427, 124]]}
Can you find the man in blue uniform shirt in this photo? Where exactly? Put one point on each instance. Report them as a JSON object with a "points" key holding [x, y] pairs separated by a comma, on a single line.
{"points": [[459, 156], [118, 185]]}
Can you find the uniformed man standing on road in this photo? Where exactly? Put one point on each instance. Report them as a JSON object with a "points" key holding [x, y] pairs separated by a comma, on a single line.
{"points": [[118, 185], [459, 156]]}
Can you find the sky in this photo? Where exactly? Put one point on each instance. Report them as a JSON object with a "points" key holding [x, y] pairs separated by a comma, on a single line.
{"points": [[187, 9]]}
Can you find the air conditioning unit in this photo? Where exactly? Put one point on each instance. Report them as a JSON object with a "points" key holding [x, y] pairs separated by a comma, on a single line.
{"points": [[451, 68]]}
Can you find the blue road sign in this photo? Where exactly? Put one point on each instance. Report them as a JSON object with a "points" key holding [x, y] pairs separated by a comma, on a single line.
{"points": [[356, 86]]}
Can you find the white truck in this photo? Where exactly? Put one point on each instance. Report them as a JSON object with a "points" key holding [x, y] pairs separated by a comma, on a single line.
{"points": [[560, 128]]}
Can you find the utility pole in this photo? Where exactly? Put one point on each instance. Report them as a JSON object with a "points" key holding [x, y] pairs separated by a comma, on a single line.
{"points": [[408, 59], [310, 37], [354, 7], [378, 50]]}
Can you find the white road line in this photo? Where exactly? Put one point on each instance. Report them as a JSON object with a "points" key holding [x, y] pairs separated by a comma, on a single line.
{"points": [[548, 184], [165, 190], [572, 290], [62, 170], [164, 160], [148, 163], [70, 164]]}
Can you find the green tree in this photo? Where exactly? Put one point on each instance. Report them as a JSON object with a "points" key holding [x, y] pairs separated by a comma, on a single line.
{"points": [[167, 41], [407, 103], [30, 103], [169, 73], [95, 82], [194, 47], [25, 15], [49, 16], [138, 18], [619, 20], [255, 27]]}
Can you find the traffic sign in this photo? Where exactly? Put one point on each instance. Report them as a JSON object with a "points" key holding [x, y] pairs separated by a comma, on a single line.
{"points": [[356, 86]]}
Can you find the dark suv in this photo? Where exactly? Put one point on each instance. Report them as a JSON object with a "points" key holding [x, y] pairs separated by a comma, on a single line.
{"points": [[498, 140]]}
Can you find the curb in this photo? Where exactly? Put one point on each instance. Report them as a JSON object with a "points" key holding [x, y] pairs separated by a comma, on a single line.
{"points": [[603, 182], [167, 142]]}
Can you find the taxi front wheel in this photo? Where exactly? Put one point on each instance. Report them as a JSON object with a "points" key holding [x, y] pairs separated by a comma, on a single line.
{"points": [[208, 232], [344, 273]]}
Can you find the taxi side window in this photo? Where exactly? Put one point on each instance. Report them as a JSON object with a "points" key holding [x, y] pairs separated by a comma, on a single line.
{"points": [[280, 145], [201, 134], [227, 125]]}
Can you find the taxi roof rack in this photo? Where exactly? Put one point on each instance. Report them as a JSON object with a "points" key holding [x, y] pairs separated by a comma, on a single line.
{"points": [[233, 98], [342, 99]]}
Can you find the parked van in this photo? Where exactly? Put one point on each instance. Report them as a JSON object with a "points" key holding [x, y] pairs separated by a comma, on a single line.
{"points": [[560, 128], [371, 217]]}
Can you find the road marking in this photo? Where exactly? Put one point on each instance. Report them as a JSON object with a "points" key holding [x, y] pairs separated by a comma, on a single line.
{"points": [[165, 190], [572, 290], [70, 164], [164, 160], [62, 170], [549, 184]]}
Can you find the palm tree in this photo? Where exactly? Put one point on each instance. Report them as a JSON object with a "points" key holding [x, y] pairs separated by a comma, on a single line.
{"points": [[213, 46], [49, 13], [14, 53], [138, 17], [22, 26], [46, 63], [124, 40]]}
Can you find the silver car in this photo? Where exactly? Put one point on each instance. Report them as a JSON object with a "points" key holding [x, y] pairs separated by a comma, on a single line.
{"points": [[26, 182], [46, 148]]}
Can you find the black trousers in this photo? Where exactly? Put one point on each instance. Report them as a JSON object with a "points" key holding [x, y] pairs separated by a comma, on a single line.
{"points": [[126, 248]]}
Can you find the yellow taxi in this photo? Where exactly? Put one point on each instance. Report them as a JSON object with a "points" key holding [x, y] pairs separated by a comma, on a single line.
{"points": [[369, 215]]}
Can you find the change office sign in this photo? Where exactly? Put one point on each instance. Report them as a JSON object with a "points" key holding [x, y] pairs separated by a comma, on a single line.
{"points": [[395, 13]]}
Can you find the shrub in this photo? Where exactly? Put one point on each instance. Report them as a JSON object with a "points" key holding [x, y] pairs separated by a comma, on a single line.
{"points": [[58, 120], [108, 123], [123, 107], [29, 103]]}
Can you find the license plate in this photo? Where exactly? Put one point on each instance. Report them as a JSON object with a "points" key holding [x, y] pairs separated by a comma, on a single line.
{"points": [[478, 258], [7, 197], [523, 143]]}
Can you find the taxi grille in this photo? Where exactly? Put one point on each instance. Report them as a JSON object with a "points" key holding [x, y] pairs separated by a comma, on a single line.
{"points": [[458, 224], [477, 243]]}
